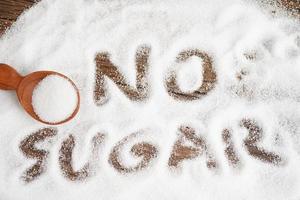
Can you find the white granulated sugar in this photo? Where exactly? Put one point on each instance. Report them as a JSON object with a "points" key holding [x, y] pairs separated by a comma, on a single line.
{"points": [[256, 57], [189, 75], [54, 99]]}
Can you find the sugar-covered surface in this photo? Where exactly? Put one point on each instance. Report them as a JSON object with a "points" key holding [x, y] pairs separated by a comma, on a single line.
{"points": [[54, 99], [256, 58]]}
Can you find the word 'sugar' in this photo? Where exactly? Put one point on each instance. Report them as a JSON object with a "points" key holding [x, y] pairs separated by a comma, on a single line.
{"points": [[189, 145]]}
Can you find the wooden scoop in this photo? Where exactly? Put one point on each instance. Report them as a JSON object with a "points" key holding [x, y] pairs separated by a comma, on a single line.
{"points": [[10, 79]]}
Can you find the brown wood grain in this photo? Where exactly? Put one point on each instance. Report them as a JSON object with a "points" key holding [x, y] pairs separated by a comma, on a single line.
{"points": [[10, 10], [292, 5]]}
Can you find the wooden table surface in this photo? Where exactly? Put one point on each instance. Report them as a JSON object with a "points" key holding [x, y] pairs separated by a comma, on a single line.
{"points": [[10, 10]]}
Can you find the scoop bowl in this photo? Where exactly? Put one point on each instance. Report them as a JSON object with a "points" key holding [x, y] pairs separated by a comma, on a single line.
{"points": [[24, 86]]}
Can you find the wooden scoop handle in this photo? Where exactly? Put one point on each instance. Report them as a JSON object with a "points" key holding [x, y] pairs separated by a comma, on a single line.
{"points": [[9, 78]]}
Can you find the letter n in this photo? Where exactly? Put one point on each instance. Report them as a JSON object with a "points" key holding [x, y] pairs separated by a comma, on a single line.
{"points": [[104, 67]]}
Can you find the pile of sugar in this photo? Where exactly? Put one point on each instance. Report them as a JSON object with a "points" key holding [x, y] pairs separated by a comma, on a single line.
{"points": [[54, 99], [65, 36]]}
